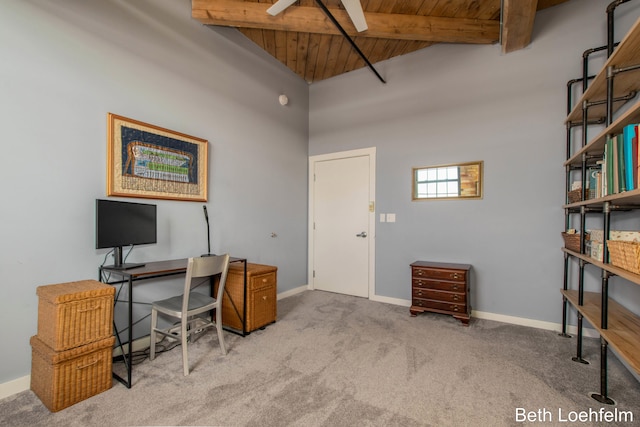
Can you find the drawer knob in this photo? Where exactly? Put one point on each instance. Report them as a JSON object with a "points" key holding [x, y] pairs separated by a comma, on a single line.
{"points": [[264, 297], [264, 280], [456, 297], [455, 308], [419, 273], [454, 287], [455, 275]]}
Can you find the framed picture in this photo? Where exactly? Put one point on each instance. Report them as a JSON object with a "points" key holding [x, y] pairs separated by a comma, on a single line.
{"points": [[148, 161]]}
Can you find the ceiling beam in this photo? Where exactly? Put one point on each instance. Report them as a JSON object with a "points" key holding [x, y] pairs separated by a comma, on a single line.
{"points": [[238, 13], [517, 23]]}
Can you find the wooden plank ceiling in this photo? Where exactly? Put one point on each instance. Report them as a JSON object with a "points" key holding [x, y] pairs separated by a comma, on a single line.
{"points": [[304, 39]]}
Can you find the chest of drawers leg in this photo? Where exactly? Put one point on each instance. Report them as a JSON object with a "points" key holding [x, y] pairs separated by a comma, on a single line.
{"points": [[441, 288]]}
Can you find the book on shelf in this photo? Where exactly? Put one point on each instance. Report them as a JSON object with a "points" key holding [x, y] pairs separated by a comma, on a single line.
{"points": [[630, 161], [608, 156], [593, 182], [622, 170], [615, 165], [620, 165], [634, 147]]}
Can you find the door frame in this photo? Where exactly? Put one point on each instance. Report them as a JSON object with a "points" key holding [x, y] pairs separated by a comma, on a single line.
{"points": [[371, 152]]}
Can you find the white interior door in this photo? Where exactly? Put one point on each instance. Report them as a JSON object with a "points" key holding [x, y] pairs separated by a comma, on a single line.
{"points": [[341, 235]]}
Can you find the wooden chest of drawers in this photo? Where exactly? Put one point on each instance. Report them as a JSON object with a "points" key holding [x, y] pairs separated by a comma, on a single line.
{"points": [[441, 288]]}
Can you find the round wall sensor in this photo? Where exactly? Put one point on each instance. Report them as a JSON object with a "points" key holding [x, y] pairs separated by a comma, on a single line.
{"points": [[283, 99]]}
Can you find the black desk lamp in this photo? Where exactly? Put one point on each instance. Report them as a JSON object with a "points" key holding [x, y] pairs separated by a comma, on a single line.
{"points": [[206, 218]]}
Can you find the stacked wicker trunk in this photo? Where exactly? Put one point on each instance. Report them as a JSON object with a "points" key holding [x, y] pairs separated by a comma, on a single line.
{"points": [[71, 354]]}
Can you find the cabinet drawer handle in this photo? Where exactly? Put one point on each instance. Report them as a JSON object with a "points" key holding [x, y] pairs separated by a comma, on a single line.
{"points": [[264, 297], [418, 272], [420, 292], [264, 280], [455, 308], [456, 297], [454, 287]]}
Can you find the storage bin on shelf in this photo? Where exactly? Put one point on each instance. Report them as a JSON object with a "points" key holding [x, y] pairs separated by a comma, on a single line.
{"points": [[572, 240], [596, 250], [625, 255], [575, 196], [63, 378]]}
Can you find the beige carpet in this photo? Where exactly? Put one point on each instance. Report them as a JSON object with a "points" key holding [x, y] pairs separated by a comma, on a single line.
{"points": [[334, 360]]}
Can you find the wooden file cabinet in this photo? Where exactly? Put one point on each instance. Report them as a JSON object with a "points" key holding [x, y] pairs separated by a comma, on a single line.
{"points": [[261, 297], [441, 288]]}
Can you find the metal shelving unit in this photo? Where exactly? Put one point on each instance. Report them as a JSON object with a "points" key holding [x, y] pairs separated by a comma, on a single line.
{"points": [[617, 83]]}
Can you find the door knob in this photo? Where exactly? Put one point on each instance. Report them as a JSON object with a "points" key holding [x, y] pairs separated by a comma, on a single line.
{"points": [[363, 234]]}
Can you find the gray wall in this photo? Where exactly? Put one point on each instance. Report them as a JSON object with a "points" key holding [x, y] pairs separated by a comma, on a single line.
{"points": [[63, 66], [451, 103]]}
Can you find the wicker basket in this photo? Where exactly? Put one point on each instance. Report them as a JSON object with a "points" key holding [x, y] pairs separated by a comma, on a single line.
{"points": [[61, 379], [575, 196], [625, 255], [572, 241], [75, 313]]}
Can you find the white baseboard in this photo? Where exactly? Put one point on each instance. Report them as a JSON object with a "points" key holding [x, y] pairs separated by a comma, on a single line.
{"points": [[389, 300], [15, 386], [293, 292], [532, 323], [21, 384], [138, 345]]}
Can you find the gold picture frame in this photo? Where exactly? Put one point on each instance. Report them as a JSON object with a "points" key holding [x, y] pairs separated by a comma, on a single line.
{"points": [[151, 162]]}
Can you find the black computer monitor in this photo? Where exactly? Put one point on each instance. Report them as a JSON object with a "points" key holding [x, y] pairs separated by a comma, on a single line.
{"points": [[121, 224]]}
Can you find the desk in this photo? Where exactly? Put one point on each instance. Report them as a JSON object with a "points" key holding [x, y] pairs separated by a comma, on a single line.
{"points": [[151, 270]]}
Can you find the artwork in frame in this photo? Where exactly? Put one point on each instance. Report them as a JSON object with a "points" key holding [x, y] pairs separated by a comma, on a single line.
{"points": [[148, 161]]}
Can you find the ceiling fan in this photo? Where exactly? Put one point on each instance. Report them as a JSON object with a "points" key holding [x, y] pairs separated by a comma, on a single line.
{"points": [[353, 7]]}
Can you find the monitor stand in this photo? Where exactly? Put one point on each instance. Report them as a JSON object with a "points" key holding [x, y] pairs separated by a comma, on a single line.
{"points": [[117, 261], [124, 266]]}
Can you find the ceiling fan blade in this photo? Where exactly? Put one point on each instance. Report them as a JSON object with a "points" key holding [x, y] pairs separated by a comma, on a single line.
{"points": [[354, 9], [279, 6]]}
